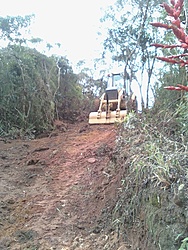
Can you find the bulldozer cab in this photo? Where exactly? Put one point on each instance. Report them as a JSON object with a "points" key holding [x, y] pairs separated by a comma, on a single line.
{"points": [[115, 80]]}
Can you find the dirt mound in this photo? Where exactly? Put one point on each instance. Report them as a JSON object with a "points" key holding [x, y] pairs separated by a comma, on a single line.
{"points": [[57, 192]]}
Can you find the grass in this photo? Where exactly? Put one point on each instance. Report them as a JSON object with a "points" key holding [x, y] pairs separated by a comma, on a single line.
{"points": [[154, 167]]}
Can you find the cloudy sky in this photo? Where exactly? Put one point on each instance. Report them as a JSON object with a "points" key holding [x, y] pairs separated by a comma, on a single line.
{"points": [[74, 24]]}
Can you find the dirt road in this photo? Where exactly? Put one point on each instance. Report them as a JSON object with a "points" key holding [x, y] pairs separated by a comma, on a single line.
{"points": [[57, 192]]}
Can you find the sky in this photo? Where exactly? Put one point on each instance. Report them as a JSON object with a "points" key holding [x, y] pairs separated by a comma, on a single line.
{"points": [[72, 23]]}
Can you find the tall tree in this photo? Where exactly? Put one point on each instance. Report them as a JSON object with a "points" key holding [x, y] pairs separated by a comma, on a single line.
{"points": [[129, 38]]}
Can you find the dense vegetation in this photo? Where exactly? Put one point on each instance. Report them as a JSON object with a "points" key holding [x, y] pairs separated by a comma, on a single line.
{"points": [[36, 89], [31, 96]]}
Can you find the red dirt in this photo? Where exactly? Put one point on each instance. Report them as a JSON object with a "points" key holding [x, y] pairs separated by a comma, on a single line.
{"points": [[57, 192]]}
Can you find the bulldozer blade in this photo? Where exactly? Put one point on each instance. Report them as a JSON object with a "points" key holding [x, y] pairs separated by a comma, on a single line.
{"points": [[94, 118]]}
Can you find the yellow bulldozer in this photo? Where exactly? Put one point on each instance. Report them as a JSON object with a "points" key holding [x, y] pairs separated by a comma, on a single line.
{"points": [[114, 104]]}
